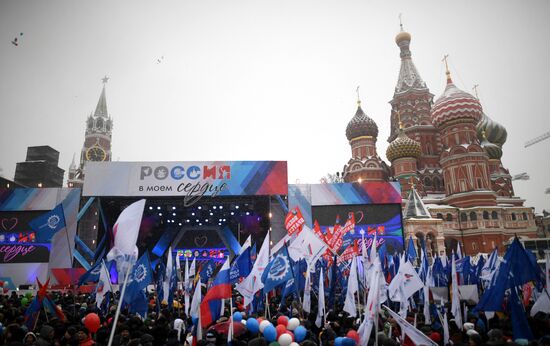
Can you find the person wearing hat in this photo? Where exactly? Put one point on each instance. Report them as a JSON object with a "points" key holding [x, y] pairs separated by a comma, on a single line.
{"points": [[83, 337], [30, 339], [45, 337]]}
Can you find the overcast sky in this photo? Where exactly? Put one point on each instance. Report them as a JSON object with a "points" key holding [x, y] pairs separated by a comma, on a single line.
{"points": [[262, 80]]}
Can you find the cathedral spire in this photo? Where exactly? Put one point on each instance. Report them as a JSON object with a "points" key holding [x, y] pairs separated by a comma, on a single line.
{"points": [[408, 75], [447, 71], [415, 208], [101, 108]]}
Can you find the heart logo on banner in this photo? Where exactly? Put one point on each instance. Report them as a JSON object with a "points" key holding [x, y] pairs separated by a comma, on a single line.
{"points": [[9, 224], [201, 241]]}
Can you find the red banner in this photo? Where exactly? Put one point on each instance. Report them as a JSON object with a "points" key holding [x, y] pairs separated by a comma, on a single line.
{"points": [[294, 221]]}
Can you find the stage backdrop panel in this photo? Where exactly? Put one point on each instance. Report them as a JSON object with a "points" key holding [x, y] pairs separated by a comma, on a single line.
{"points": [[186, 178], [376, 207], [27, 260]]}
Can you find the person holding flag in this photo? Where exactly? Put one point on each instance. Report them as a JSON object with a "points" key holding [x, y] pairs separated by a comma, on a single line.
{"points": [[220, 289]]}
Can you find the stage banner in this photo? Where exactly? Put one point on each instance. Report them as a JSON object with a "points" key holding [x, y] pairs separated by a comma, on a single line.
{"points": [[190, 179]]}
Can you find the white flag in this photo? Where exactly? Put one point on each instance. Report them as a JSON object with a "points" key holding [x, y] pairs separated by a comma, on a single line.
{"points": [[427, 317], [194, 311], [192, 268], [178, 272], [373, 300], [125, 232], [405, 282], [103, 285], [253, 282], [167, 276], [186, 286], [443, 319], [543, 301], [455, 301], [321, 304], [414, 334], [307, 245], [353, 287], [306, 305]]}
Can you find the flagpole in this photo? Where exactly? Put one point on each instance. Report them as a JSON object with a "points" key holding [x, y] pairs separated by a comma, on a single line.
{"points": [[294, 277], [119, 305]]}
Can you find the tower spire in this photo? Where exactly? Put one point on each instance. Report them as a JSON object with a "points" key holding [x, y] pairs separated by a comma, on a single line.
{"points": [[101, 108], [400, 22], [447, 72]]}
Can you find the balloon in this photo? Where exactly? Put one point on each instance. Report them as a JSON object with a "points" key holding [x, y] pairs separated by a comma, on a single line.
{"points": [[28, 295], [24, 301], [291, 334], [91, 321], [270, 333], [274, 343], [348, 342], [352, 334], [1, 283], [243, 322], [339, 341], [282, 320], [252, 325], [280, 329], [264, 324], [260, 319], [237, 316], [285, 339], [300, 333], [294, 344], [293, 323]]}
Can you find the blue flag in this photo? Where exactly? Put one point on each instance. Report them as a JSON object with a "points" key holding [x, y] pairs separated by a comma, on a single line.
{"points": [[48, 224], [241, 266], [411, 250], [299, 279], [207, 271], [277, 271], [173, 284], [92, 275], [140, 277], [520, 326], [515, 270]]}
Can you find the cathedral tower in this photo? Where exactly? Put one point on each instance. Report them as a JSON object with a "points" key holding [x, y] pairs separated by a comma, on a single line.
{"points": [[365, 164], [412, 99], [464, 162], [97, 140]]}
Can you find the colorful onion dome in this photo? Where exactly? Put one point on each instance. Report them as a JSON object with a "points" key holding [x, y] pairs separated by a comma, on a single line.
{"points": [[495, 132], [402, 36], [455, 105], [403, 146], [494, 151], [361, 125]]}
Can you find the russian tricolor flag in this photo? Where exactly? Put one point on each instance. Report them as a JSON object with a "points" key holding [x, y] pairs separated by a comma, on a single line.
{"points": [[221, 289]]}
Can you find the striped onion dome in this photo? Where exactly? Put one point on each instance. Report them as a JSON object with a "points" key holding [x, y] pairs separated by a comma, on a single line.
{"points": [[494, 151], [403, 146], [495, 132], [455, 105], [361, 125]]}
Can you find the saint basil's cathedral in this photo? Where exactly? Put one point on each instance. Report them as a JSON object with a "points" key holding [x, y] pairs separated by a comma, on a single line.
{"points": [[446, 154]]}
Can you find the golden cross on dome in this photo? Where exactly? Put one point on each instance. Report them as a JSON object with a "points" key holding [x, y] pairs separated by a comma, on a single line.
{"points": [[400, 22], [358, 98], [445, 58], [105, 79], [475, 90]]}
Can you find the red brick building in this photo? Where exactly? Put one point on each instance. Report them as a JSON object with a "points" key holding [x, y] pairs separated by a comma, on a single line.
{"points": [[447, 156]]}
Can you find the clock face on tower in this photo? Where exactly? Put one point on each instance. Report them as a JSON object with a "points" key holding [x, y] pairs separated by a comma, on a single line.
{"points": [[96, 154]]}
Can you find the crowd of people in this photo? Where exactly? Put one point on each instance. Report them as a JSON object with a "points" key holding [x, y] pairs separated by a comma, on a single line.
{"points": [[170, 326]]}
